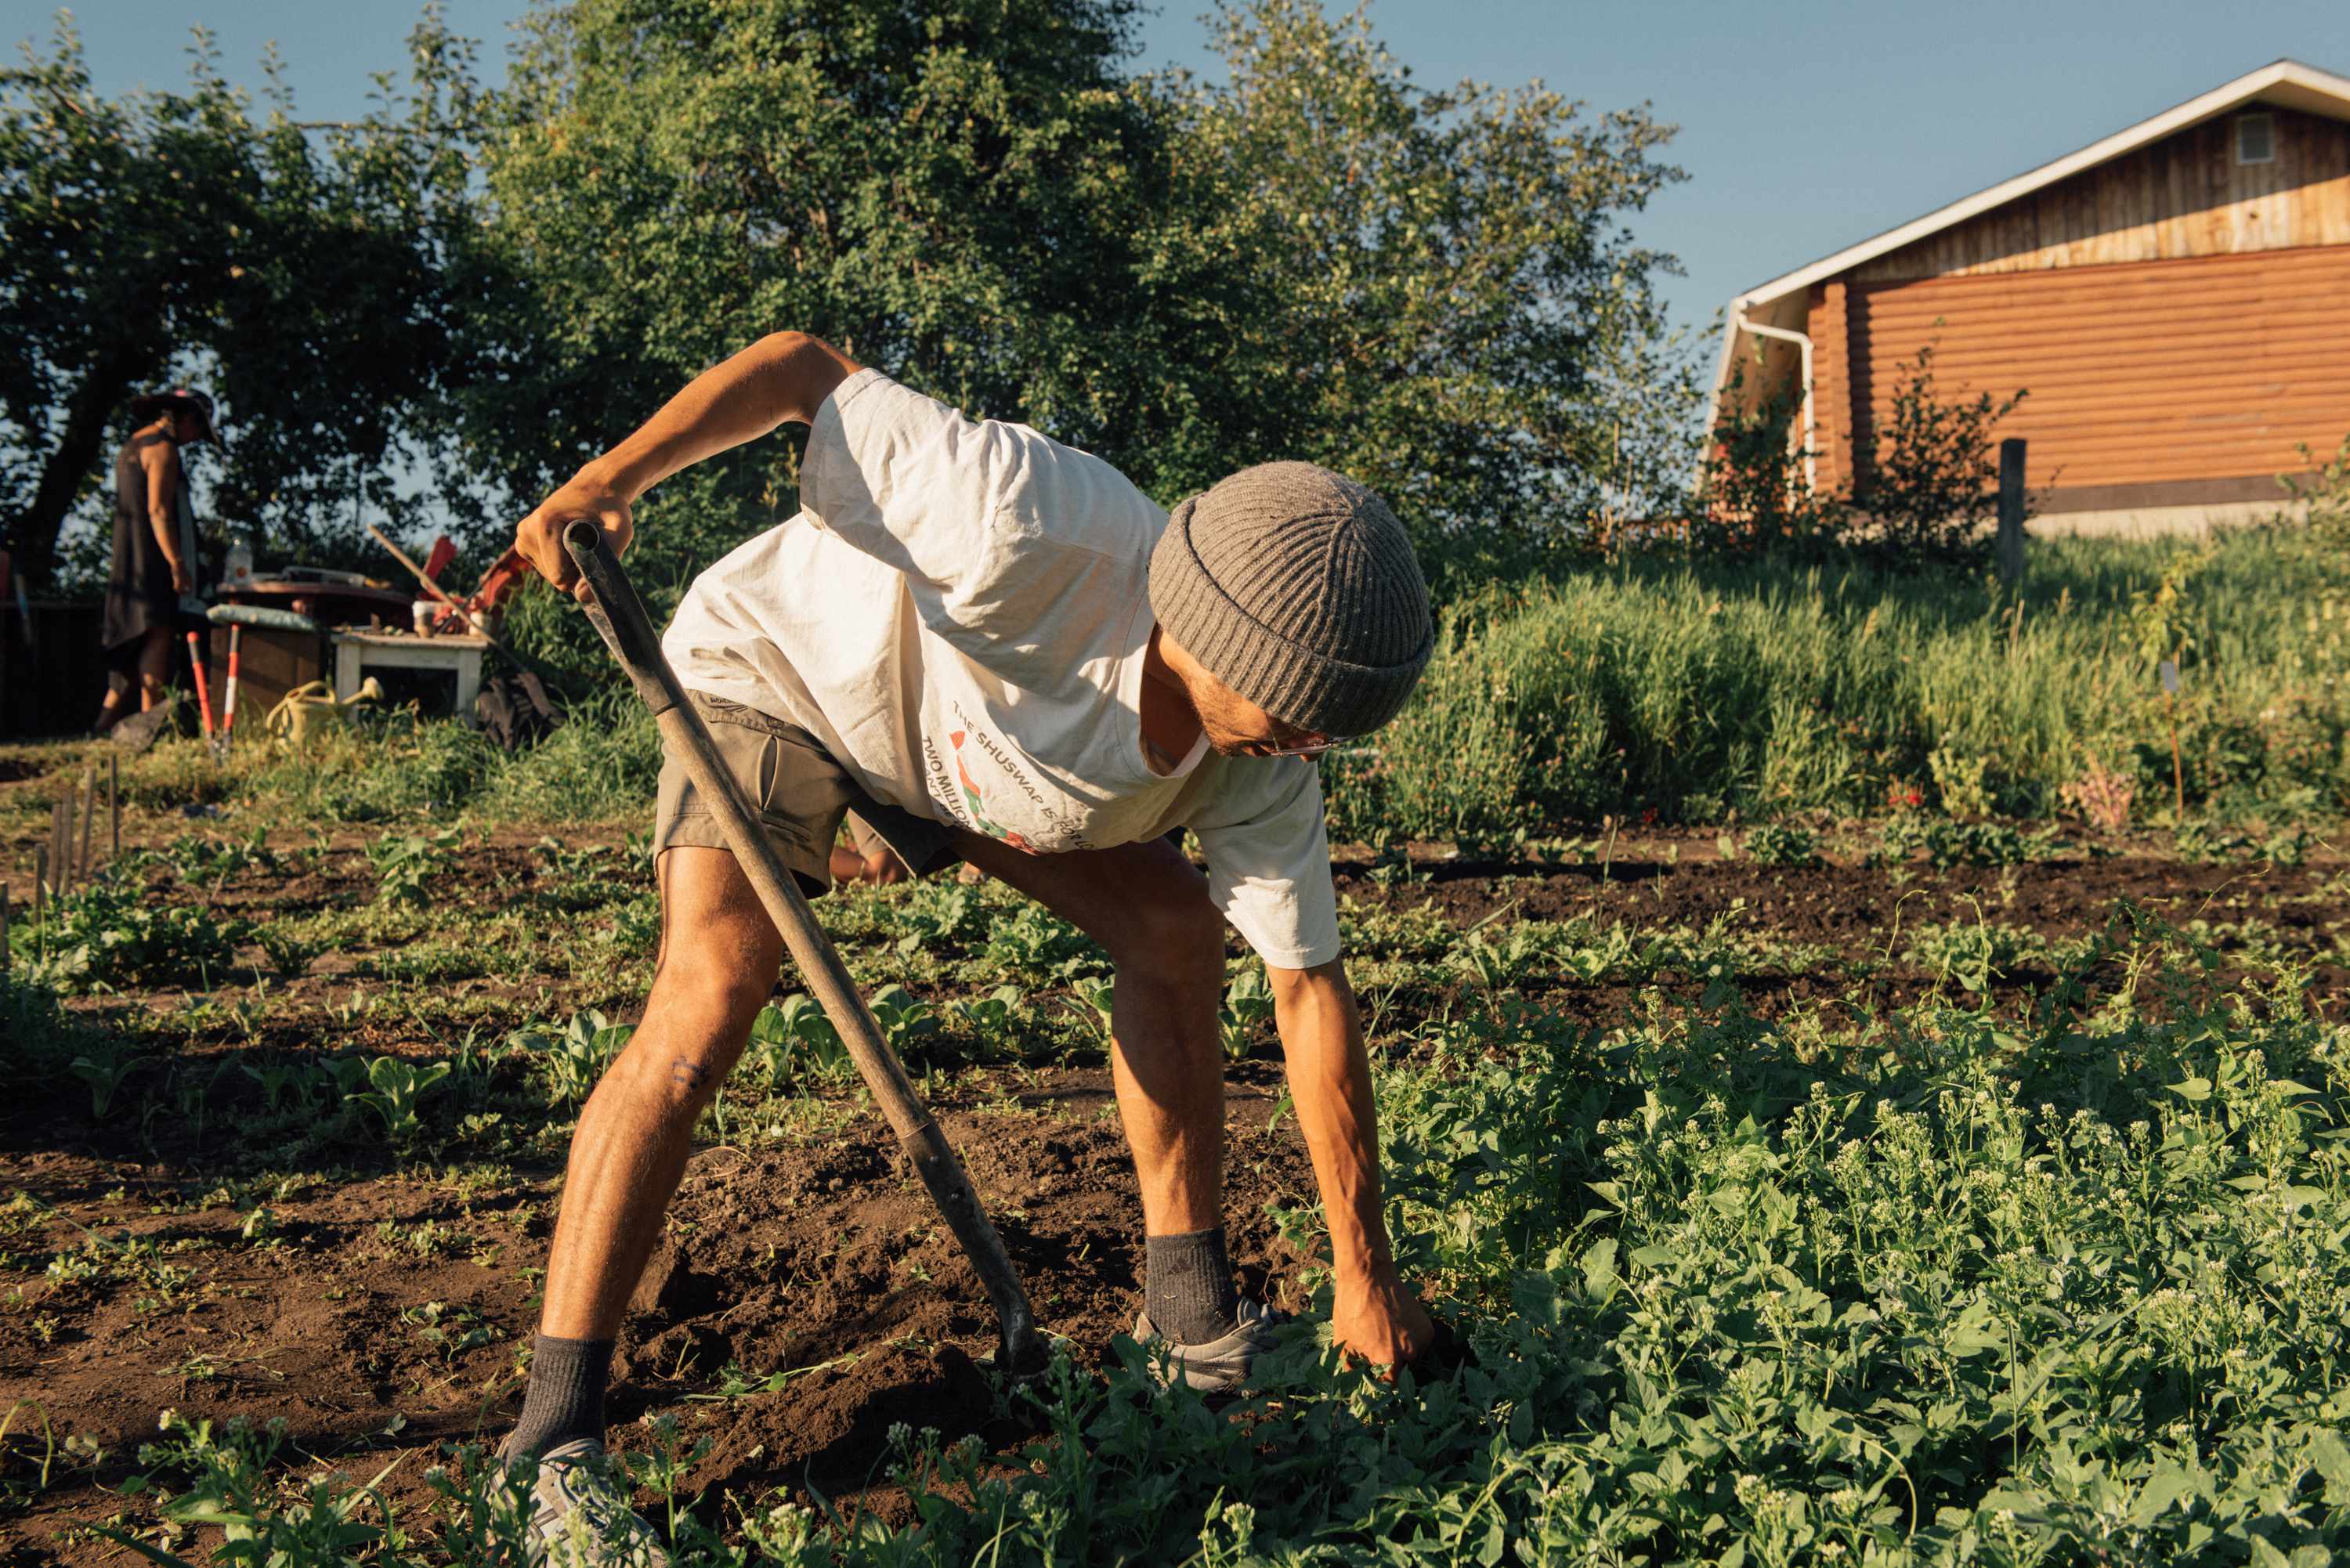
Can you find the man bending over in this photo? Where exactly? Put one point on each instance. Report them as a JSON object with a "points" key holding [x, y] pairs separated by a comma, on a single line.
{"points": [[994, 648]]}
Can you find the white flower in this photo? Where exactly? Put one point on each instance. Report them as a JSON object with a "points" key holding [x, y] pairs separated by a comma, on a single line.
{"points": [[163, 1422]]}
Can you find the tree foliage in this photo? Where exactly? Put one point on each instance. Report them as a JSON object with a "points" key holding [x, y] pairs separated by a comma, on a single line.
{"points": [[930, 186], [1312, 257], [1433, 291], [300, 273], [1315, 258]]}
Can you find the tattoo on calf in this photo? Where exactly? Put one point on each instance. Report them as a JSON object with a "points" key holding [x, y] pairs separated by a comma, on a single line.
{"points": [[687, 1074]]}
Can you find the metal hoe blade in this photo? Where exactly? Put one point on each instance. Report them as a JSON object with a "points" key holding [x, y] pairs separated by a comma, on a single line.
{"points": [[618, 617]]}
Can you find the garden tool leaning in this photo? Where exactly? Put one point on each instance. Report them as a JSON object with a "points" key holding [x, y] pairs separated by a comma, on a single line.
{"points": [[619, 615]]}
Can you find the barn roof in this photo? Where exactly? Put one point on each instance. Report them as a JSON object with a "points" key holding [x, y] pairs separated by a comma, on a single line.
{"points": [[2288, 84]]}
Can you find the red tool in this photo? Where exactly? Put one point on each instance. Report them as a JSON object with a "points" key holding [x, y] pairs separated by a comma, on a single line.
{"points": [[477, 611], [204, 683], [228, 698], [236, 618]]}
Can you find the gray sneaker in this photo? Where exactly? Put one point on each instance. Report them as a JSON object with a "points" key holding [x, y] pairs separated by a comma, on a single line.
{"points": [[1221, 1365], [579, 1515]]}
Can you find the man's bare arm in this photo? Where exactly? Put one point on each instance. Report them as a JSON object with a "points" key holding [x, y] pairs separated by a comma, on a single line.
{"points": [[1372, 1312], [160, 458], [786, 375]]}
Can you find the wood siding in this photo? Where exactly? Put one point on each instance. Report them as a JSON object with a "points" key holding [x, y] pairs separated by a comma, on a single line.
{"points": [[2140, 373], [2185, 195], [1829, 329]]}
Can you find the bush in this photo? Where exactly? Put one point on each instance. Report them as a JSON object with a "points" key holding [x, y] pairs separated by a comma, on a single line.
{"points": [[1924, 491]]}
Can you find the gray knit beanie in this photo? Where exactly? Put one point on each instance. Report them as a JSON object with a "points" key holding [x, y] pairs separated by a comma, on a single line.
{"points": [[1297, 587]]}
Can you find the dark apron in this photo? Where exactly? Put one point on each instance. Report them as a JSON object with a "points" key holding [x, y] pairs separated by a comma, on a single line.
{"points": [[139, 595]]}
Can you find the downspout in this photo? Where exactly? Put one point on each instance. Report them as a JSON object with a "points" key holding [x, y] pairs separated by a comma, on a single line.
{"points": [[1803, 343]]}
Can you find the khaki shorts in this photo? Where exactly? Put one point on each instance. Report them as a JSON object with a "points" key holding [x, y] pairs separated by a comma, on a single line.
{"points": [[799, 795]]}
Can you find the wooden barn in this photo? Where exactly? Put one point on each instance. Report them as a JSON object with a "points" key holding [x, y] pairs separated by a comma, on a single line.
{"points": [[2175, 299]]}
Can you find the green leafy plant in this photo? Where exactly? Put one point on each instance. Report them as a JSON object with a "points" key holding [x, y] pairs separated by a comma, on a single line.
{"points": [[904, 1017], [111, 933], [1963, 780], [1948, 844], [405, 862], [1094, 1005], [1975, 954], [990, 1017], [214, 860], [104, 1072], [289, 953], [935, 916], [449, 1331], [1781, 844], [793, 1036], [570, 1060], [1248, 1004], [2207, 843], [397, 1087]]}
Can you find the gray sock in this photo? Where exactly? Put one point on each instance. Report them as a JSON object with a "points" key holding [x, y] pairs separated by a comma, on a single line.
{"points": [[564, 1400], [1186, 1286]]}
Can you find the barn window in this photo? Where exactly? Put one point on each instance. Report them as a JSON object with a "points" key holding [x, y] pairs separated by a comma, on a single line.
{"points": [[2255, 138]]}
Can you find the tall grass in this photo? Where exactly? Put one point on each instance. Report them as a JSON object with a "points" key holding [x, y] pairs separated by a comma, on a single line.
{"points": [[601, 764], [1693, 689]]}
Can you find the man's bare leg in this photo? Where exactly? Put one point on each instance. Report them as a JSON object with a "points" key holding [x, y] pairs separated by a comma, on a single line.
{"points": [[154, 666], [720, 955], [1149, 907]]}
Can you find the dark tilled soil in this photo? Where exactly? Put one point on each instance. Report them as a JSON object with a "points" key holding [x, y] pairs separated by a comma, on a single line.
{"points": [[828, 1258], [825, 1259]]}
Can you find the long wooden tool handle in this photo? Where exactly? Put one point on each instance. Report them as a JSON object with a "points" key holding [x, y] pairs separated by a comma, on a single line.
{"points": [[618, 617], [427, 584]]}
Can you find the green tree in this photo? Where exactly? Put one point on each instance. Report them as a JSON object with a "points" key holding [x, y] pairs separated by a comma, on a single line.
{"points": [[300, 270], [927, 185], [1432, 291]]}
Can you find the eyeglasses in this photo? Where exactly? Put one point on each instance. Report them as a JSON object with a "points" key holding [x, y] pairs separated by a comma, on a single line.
{"points": [[1313, 748]]}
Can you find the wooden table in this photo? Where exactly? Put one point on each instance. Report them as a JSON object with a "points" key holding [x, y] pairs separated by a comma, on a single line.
{"points": [[329, 604], [356, 651]]}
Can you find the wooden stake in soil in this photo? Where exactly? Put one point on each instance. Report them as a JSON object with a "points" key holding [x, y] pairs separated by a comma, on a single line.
{"points": [[2011, 513], [40, 881], [113, 808], [2169, 672], [89, 810], [62, 843]]}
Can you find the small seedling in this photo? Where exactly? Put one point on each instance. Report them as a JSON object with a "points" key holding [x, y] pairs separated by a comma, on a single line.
{"points": [[1248, 1002], [397, 1087], [404, 862], [104, 1073]]}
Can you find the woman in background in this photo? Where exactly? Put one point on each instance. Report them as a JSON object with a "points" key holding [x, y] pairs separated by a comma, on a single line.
{"points": [[154, 565]]}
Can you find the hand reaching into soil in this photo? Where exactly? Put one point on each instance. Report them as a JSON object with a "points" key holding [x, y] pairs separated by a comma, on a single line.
{"points": [[1383, 1324]]}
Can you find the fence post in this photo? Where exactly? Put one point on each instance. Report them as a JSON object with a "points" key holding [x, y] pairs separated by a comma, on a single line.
{"points": [[2011, 512], [89, 814], [61, 842]]}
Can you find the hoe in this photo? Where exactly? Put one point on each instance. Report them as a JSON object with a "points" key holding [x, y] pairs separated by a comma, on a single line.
{"points": [[619, 615]]}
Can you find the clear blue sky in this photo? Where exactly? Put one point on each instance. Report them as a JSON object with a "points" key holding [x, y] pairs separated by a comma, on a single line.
{"points": [[1804, 128]]}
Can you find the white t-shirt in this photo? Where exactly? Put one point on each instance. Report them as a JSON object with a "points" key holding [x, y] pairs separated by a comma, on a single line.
{"points": [[960, 613]]}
